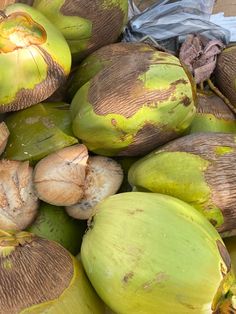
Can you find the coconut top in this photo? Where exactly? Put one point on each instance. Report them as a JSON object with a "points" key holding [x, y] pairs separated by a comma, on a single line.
{"points": [[33, 270]]}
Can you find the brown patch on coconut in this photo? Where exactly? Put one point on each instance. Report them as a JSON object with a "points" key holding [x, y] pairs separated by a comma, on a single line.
{"points": [[104, 178], [134, 94], [59, 177], [201, 144], [220, 174], [221, 177], [18, 202], [212, 104], [33, 272], [225, 74], [152, 136], [106, 22], [4, 134]]}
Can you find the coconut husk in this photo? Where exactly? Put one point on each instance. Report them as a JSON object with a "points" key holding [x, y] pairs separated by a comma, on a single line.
{"points": [[199, 54]]}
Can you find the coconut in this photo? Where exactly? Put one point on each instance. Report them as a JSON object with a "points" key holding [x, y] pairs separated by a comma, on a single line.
{"points": [[212, 115], [103, 178], [86, 25], [38, 131], [59, 177], [41, 276], [144, 99], [53, 223], [35, 58], [225, 74], [150, 253], [199, 169]]}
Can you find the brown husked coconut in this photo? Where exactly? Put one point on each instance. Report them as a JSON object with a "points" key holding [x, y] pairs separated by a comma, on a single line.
{"points": [[18, 201]]}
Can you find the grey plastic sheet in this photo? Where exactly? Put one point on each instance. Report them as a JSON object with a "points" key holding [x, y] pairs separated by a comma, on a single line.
{"points": [[168, 22]]}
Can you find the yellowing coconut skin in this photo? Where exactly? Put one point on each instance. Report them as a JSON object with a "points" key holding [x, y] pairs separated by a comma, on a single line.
{"points": [[151, 253]]}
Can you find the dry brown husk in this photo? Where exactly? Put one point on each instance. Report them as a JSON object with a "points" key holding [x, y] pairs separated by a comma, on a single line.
{"points": [[18, 201]]}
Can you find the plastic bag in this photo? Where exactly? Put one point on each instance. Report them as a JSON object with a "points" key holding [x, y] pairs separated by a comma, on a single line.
{"points": [[167, 23]]}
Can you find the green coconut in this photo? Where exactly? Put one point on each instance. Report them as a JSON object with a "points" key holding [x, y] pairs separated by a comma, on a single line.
{"points": [[141, 100], [199, 169], [212, 115], [86, 24], [34, 58], [38, 131], [225, 73], [151, 253], [53, 223], [42, 277]]}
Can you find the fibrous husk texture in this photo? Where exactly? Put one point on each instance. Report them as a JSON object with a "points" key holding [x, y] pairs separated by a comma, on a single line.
{"points": [[4, 134], [104, 177], [199, 54], [59, 177], [40, 271], [18, 201]]}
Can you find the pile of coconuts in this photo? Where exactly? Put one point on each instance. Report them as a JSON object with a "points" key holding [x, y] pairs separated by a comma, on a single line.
{"points": [[117, 167]]}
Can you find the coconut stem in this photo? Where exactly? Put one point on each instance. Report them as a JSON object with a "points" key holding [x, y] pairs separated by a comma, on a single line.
{"points": [[2, 14], [219, 94]]}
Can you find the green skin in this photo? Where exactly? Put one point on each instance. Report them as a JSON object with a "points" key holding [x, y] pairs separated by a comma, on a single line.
{"points": [[38, 131], [99, 134], [210, 123], [25, 67], [76, 30], [160, 172], [150, 253], [54, 224], [79, 297], [88, 68]]}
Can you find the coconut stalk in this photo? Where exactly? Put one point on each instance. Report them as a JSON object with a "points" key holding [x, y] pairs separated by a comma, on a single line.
{"points": [[199, 169], [35, 58], [160, 248], [44, 276]]}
